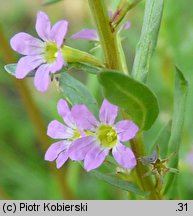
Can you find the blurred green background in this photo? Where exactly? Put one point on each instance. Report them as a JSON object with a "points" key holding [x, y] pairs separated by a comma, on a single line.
{"points": [[25, 113]]}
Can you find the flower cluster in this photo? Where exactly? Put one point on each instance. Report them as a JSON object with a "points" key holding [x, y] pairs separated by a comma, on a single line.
{"points": [[83, 137]]}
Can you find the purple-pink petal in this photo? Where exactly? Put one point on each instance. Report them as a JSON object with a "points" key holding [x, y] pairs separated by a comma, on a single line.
{"points": [[58, 32], [26, 64], [62, 158], [43, 26], [126, 130], [95, 157], [108, 113], [55, 149], [84, 118], [110, 13], [25, 44], [125, 26], [86, 34], [189, 158], [42, 78], [124, 156], [57, 130], [58, 64], [65, 113], [80, 147]]}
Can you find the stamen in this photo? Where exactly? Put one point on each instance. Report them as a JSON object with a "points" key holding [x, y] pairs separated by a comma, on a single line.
{"points": [[56, 55], [107, 136], [50, 52], [76, 134]]}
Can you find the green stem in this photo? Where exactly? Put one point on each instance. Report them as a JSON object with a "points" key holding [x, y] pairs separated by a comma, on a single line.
{"points": [[106, 34], [146, 182], [122, 56], [111, 49]]}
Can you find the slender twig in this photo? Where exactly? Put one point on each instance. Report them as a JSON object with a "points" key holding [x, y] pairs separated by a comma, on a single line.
{"points": [[124, 7]]}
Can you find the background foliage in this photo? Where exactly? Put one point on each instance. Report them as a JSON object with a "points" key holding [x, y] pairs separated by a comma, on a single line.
{"points": [[23, 172]]}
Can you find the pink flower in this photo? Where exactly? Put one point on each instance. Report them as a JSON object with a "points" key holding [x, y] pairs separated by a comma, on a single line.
{"points": [[67, 133], [42, 54], [102, 137]]}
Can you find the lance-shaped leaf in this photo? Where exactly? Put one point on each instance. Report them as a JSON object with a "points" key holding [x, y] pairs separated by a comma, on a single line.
{"points": [[148, 39], [136, 99], [77, 93], [180, 94], [122, 184], [11, 68], [108, 174], [162, 140], [88, 68]]}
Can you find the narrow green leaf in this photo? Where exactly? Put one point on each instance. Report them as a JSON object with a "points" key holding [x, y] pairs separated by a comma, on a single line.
{"points": [[84, 67], [77, 93], [148, 39], [136, 99], [180, 94], [11, 68], [162, 140], [47, 2], [107, 173], [124, 185]]}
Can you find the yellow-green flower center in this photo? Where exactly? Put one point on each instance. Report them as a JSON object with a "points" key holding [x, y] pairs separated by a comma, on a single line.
{"points": [[107, 136], [89, 133], [50, 52], [76, 134]]}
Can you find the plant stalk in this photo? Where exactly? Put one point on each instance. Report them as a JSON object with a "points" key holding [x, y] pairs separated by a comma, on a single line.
{"points": [[110, 47], [137, 146], [106, 33]]}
